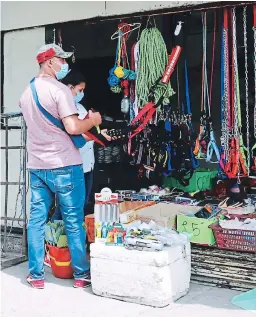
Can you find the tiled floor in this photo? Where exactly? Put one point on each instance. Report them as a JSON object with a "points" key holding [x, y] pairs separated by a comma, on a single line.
{"points": [[60, 299]]}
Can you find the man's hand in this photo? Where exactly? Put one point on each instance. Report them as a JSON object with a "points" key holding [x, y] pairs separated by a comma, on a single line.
{"points": [[106, 136], [95, 118]]}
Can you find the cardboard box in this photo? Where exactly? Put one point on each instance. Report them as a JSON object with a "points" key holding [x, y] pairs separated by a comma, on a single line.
{"points": [[128, 216], [198, 227], [165, 214], [131, 205]]}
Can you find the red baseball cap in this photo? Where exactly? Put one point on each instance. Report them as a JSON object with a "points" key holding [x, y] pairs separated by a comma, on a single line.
{"points": [[49, 51]]}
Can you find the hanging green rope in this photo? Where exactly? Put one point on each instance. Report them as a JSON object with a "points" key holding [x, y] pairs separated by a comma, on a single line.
{"points": [[153, 59]]}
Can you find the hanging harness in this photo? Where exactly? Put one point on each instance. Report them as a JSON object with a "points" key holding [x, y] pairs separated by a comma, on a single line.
{"points": [[181, 161], [205, 145]]}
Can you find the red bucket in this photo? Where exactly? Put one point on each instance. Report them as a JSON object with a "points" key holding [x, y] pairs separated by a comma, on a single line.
{"points": [[89, 222], [60, 262]]}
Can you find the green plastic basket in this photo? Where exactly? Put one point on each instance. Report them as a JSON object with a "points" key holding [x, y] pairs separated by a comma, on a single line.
{"points": [[200, 181]]}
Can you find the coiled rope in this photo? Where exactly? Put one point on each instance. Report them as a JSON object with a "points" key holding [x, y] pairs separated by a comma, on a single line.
{"points": [[153, 59]]}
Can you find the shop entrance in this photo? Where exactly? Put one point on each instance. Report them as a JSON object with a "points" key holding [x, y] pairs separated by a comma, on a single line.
{"points": [[95, 56]]}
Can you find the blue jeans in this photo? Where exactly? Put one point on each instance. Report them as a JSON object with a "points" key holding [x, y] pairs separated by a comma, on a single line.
{"points": [[67, 184], [88, 179]]}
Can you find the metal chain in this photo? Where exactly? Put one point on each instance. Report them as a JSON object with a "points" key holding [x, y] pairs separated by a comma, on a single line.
{"points": [[234, 45], [225, 105], [246, 88]]}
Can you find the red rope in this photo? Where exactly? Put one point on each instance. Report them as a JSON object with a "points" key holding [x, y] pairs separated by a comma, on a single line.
{"points": [[124, 27]]}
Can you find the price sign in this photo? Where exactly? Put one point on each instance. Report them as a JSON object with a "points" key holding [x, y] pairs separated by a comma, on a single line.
{"points": [[195, 229], [198, 228]]}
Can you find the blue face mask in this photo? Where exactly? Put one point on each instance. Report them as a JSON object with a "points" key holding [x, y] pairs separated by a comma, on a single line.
{"points": [[79, 96], [64, 70]]}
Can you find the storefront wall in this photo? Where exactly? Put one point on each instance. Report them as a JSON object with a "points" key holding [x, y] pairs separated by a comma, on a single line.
{"points": [[30, 14]]}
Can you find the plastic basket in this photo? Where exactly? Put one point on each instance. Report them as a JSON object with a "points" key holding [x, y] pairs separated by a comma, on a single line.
{"points": [[243, 216], [234, 239], [200, 181], [60, 262]]}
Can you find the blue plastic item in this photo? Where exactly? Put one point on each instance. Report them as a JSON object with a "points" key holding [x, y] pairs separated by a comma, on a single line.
{"points": [[246, 300]]}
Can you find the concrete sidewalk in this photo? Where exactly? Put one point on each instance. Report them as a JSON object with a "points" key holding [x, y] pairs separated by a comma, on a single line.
{"points": [[60, 299]]}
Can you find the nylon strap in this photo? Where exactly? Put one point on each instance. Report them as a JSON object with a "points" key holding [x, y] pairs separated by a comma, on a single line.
{"points": [[254, 16], [187, 90]]}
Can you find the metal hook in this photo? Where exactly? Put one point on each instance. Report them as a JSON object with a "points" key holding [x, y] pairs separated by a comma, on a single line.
{"points": [[73, 56], [138, 35], [54, 36], [149, 22]]}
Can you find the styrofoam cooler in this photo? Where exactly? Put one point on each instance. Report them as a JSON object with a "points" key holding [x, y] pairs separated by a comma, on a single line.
{"points": [[148, 278]]}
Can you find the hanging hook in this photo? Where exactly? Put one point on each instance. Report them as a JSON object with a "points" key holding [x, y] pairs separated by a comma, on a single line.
{"points": [[154, 21], [73, 56], [54, 36], [59, 37], [138, 35], [149, 23]]}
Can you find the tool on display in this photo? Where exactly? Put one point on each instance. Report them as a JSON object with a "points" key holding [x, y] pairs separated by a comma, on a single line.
{"points": [[133, 243]]}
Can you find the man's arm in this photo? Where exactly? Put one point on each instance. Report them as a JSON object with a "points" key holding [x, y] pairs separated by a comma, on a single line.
{"points": [[73, 125]]}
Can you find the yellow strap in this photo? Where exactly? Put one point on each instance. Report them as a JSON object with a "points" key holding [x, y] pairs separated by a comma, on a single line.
{"points": [[60, 263], [254, 147]]}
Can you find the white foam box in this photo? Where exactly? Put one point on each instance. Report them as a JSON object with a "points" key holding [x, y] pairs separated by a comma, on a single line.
{"points": [[143, 277]]}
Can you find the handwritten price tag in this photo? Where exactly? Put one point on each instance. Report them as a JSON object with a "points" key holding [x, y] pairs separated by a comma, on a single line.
{"points": [[198, 228], [195, 228]]}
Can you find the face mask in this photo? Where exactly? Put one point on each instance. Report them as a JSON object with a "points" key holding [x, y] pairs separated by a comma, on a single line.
{"points": [[79, 96], [64, 70]]}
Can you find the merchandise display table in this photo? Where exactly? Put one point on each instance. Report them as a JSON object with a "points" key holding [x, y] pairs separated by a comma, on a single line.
{"points": [[148, 278]]}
